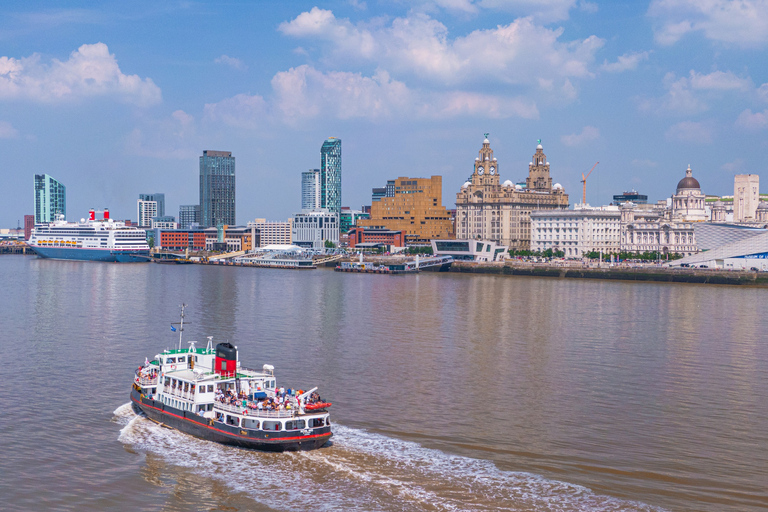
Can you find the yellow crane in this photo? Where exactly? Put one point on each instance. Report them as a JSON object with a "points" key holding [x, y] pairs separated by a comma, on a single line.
{"points": [[584, 184]]}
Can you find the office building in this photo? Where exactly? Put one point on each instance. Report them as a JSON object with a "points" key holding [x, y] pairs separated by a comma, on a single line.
{"points": [[145, 211], [577, 232], [330, 175], [746, 197], [631, 196], [159, 198], [369, 237], [349, 218], [380, 192], [489, 210], [189, 214], [274, 232], [415, 208], [164, 222], [217, 188], [312, 229], [50, 199], [310, 190]]}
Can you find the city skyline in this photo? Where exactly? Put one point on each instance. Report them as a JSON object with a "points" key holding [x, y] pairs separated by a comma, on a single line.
{"points": [[112, 103]]}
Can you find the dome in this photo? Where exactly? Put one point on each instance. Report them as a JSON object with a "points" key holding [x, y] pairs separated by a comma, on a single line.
{"points": [[689, 182], [486, 159], [477, 159], [547, 164], [762, 206], [557, 186], [466, 184], [518, 187], [509, 183], [494, 159], [486, 141], [539, 147]]}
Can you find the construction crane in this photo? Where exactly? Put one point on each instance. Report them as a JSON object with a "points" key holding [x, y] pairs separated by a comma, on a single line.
{"points": [[584, 184]]}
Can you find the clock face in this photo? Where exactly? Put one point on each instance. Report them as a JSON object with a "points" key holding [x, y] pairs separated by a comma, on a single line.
{"points": [[480, 170], [493, 170]]}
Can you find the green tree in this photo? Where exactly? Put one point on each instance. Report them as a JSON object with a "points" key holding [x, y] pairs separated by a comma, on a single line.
{"points": [[330, 245]]}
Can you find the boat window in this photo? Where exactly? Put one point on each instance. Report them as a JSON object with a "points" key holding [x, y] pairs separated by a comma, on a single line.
{"points": [[271, 425], [233, 420], [182, 359], [316, 422], [170, 360], [295, 425], [210, 388], [249, 423]]}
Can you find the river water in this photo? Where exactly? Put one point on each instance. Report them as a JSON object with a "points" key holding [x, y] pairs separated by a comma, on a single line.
{"points": [[450, 392]]}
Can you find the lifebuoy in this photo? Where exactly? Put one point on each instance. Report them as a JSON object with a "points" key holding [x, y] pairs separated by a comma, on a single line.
{"points": [[173, 367]]}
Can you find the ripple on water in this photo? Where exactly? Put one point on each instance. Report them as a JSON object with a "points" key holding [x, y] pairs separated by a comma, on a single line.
{"points": [[363, 470]]}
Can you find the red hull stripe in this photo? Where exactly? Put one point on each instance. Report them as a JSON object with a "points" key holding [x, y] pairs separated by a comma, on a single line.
{"points": [[224, 431]]}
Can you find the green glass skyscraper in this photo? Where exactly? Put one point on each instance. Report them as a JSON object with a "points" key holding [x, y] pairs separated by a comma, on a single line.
{"points": [[50, 199], [330, 175], [217, 188]]}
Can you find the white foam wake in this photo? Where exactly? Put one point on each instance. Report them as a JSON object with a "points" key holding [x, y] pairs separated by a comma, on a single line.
{"points": [[363, 471]]}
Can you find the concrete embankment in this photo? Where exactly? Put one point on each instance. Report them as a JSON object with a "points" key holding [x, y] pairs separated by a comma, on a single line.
{"points": [[620, 273]]}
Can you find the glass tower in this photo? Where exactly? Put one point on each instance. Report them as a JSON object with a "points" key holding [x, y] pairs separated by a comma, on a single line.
{"points": [[310, 189], [188, 214], [330, 175], [217, 188], [50, 199], [158, 198]]}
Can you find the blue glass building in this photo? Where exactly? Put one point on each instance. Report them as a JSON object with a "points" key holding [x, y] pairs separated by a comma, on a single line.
{"points": [[217, 188], [330, 175], [50, 199]]}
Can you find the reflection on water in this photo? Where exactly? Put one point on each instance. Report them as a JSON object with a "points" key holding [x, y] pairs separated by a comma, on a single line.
{"points": [[450, 392]]}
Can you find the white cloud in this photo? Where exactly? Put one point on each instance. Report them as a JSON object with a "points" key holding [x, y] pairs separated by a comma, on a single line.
{"points": [[590, 7], [690, 131], [7, 131], [232, 62], [242, 111], [518, 53], [762, 92], [457, 5], [172, 138], [304, 93], [626, 62], [739, 22], [733, 166], [753, 121], [588, 134], [692, 94], [90, 71], [545, 10]]}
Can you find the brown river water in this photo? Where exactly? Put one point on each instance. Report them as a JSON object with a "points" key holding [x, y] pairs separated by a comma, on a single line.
{"points": [[450, 392]]}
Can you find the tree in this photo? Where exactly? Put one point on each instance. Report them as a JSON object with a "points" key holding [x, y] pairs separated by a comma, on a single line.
{"points": [[330, 245]]}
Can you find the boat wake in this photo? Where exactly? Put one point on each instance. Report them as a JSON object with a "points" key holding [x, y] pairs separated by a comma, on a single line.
{"points": [[363, 471]]}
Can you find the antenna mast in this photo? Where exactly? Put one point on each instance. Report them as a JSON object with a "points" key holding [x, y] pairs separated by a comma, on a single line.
{"points": [[181, 326]]}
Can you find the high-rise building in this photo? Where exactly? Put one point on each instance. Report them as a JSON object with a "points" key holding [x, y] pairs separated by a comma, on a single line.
{"points": [[50, 199], [746, 197], [501, 212], [310, 190], [416, 209], [189, 214], [217, 188], [378, 192], [330, 175], [159, 198], [145, 211], [313, 229]]}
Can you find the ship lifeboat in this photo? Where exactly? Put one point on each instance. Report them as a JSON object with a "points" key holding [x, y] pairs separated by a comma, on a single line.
{"points": [[317, 406]]}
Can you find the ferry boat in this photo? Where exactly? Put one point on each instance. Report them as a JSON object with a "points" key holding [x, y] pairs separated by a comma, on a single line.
{"points": [[205, 392], [92, 240]]}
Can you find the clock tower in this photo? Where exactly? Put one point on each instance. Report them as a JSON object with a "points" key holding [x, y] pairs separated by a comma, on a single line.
{"points": [[486, 170], [538, 172]]}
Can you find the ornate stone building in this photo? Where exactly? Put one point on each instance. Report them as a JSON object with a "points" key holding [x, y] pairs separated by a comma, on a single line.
{"points": [[501, 212], [666, 231]]}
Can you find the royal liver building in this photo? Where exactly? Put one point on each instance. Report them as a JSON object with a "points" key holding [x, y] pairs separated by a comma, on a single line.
{"points": [[489, 210]]}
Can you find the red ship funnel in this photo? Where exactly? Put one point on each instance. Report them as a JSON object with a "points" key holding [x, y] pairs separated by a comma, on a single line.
{"points": [[106, 213], [91, 214]]}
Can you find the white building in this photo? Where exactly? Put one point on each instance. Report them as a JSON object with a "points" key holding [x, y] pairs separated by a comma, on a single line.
{"points": [[746, 197], [310, 190], [145, 211], [688, 203], [274, 232], [313, 229], [165, 222], [577, 232], [470, 250]]}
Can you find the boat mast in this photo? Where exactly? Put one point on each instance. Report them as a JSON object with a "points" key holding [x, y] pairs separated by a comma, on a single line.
{"points": [[181, 325]]}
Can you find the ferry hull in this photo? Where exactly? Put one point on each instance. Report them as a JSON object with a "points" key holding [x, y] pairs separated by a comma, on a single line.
{"points": [[79, 254], [200, 427]]}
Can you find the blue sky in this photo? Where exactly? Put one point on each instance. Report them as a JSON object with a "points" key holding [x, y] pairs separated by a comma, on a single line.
{"points": [[120, 98]]}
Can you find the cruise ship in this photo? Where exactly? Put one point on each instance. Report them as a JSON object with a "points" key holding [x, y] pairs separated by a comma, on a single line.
{"points": [[90, 240]]}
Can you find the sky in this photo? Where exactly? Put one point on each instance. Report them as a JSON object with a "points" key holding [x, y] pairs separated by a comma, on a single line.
{"points": [[115, 99]]}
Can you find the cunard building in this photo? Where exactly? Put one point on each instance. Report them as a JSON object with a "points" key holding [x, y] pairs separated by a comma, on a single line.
{"points": [[501, 212]]}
